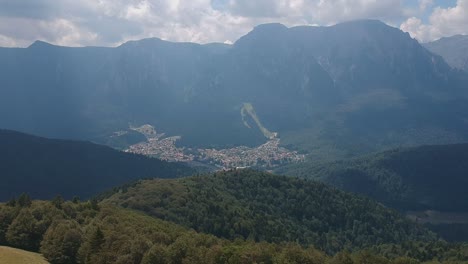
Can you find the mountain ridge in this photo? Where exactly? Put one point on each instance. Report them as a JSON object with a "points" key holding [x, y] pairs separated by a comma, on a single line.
{"points": [[312, 85], [453, 49]]}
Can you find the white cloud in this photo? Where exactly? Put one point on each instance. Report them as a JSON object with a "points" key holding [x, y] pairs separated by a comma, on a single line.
{"points": [[111, 22], [199, 21], [339, 10], [318, 11], [66, 33], [425, 4], [7, 42], [442, 22], [57, 31], [416, 28]]}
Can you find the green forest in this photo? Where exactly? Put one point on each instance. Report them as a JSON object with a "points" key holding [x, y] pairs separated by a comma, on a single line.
{"points": [[233, 216], [259, 206], [419, 178], [72, 232]]}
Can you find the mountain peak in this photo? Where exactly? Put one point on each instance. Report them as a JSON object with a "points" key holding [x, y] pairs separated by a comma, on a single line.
{"points": [[40, 43], [267, 32], [145, 41], [368, 24], [460, 36], [270, 27], [454, 38], [453, 49]]}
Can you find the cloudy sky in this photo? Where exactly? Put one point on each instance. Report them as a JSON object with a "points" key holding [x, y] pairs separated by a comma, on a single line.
{"points": [[112, 22]]}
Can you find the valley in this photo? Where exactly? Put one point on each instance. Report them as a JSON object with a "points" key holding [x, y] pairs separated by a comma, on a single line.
{"points": [[266, 156], [346, 90], [339, 144]]}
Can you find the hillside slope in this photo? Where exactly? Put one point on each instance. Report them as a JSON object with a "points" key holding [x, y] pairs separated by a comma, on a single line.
{"points": [[16, 256], [83, 232], [264, 207], [48, 167], [420, 178]]}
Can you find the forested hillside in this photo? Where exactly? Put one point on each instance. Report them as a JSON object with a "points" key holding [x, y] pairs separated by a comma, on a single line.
{"points": [[72, 232], [48, 167], [84, 232], [259, 206], [420, 178]]}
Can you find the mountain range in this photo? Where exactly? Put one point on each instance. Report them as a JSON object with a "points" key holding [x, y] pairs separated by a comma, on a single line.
{"points": [[356, 99], [335, 91]]}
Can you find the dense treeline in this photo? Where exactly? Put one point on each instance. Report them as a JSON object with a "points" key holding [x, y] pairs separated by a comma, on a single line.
{"points": [[428, 177], [87, 232], [259, 206], [48, 167]]}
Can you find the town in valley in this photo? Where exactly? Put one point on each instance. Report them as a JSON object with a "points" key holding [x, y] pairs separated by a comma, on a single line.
{"points": [[267, 155]]}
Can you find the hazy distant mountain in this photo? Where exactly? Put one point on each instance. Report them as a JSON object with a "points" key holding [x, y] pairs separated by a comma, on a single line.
{"points": [[45, 168], [453, 49], [421, 178], [340, 90]]}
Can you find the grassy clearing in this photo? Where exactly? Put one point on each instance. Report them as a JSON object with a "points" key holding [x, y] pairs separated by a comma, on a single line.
{"points": [[10, 255]]}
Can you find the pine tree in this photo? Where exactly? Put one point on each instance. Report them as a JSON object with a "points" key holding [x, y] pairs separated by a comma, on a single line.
{"points": [[97, 239], [58, 201], [24, 200]]}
